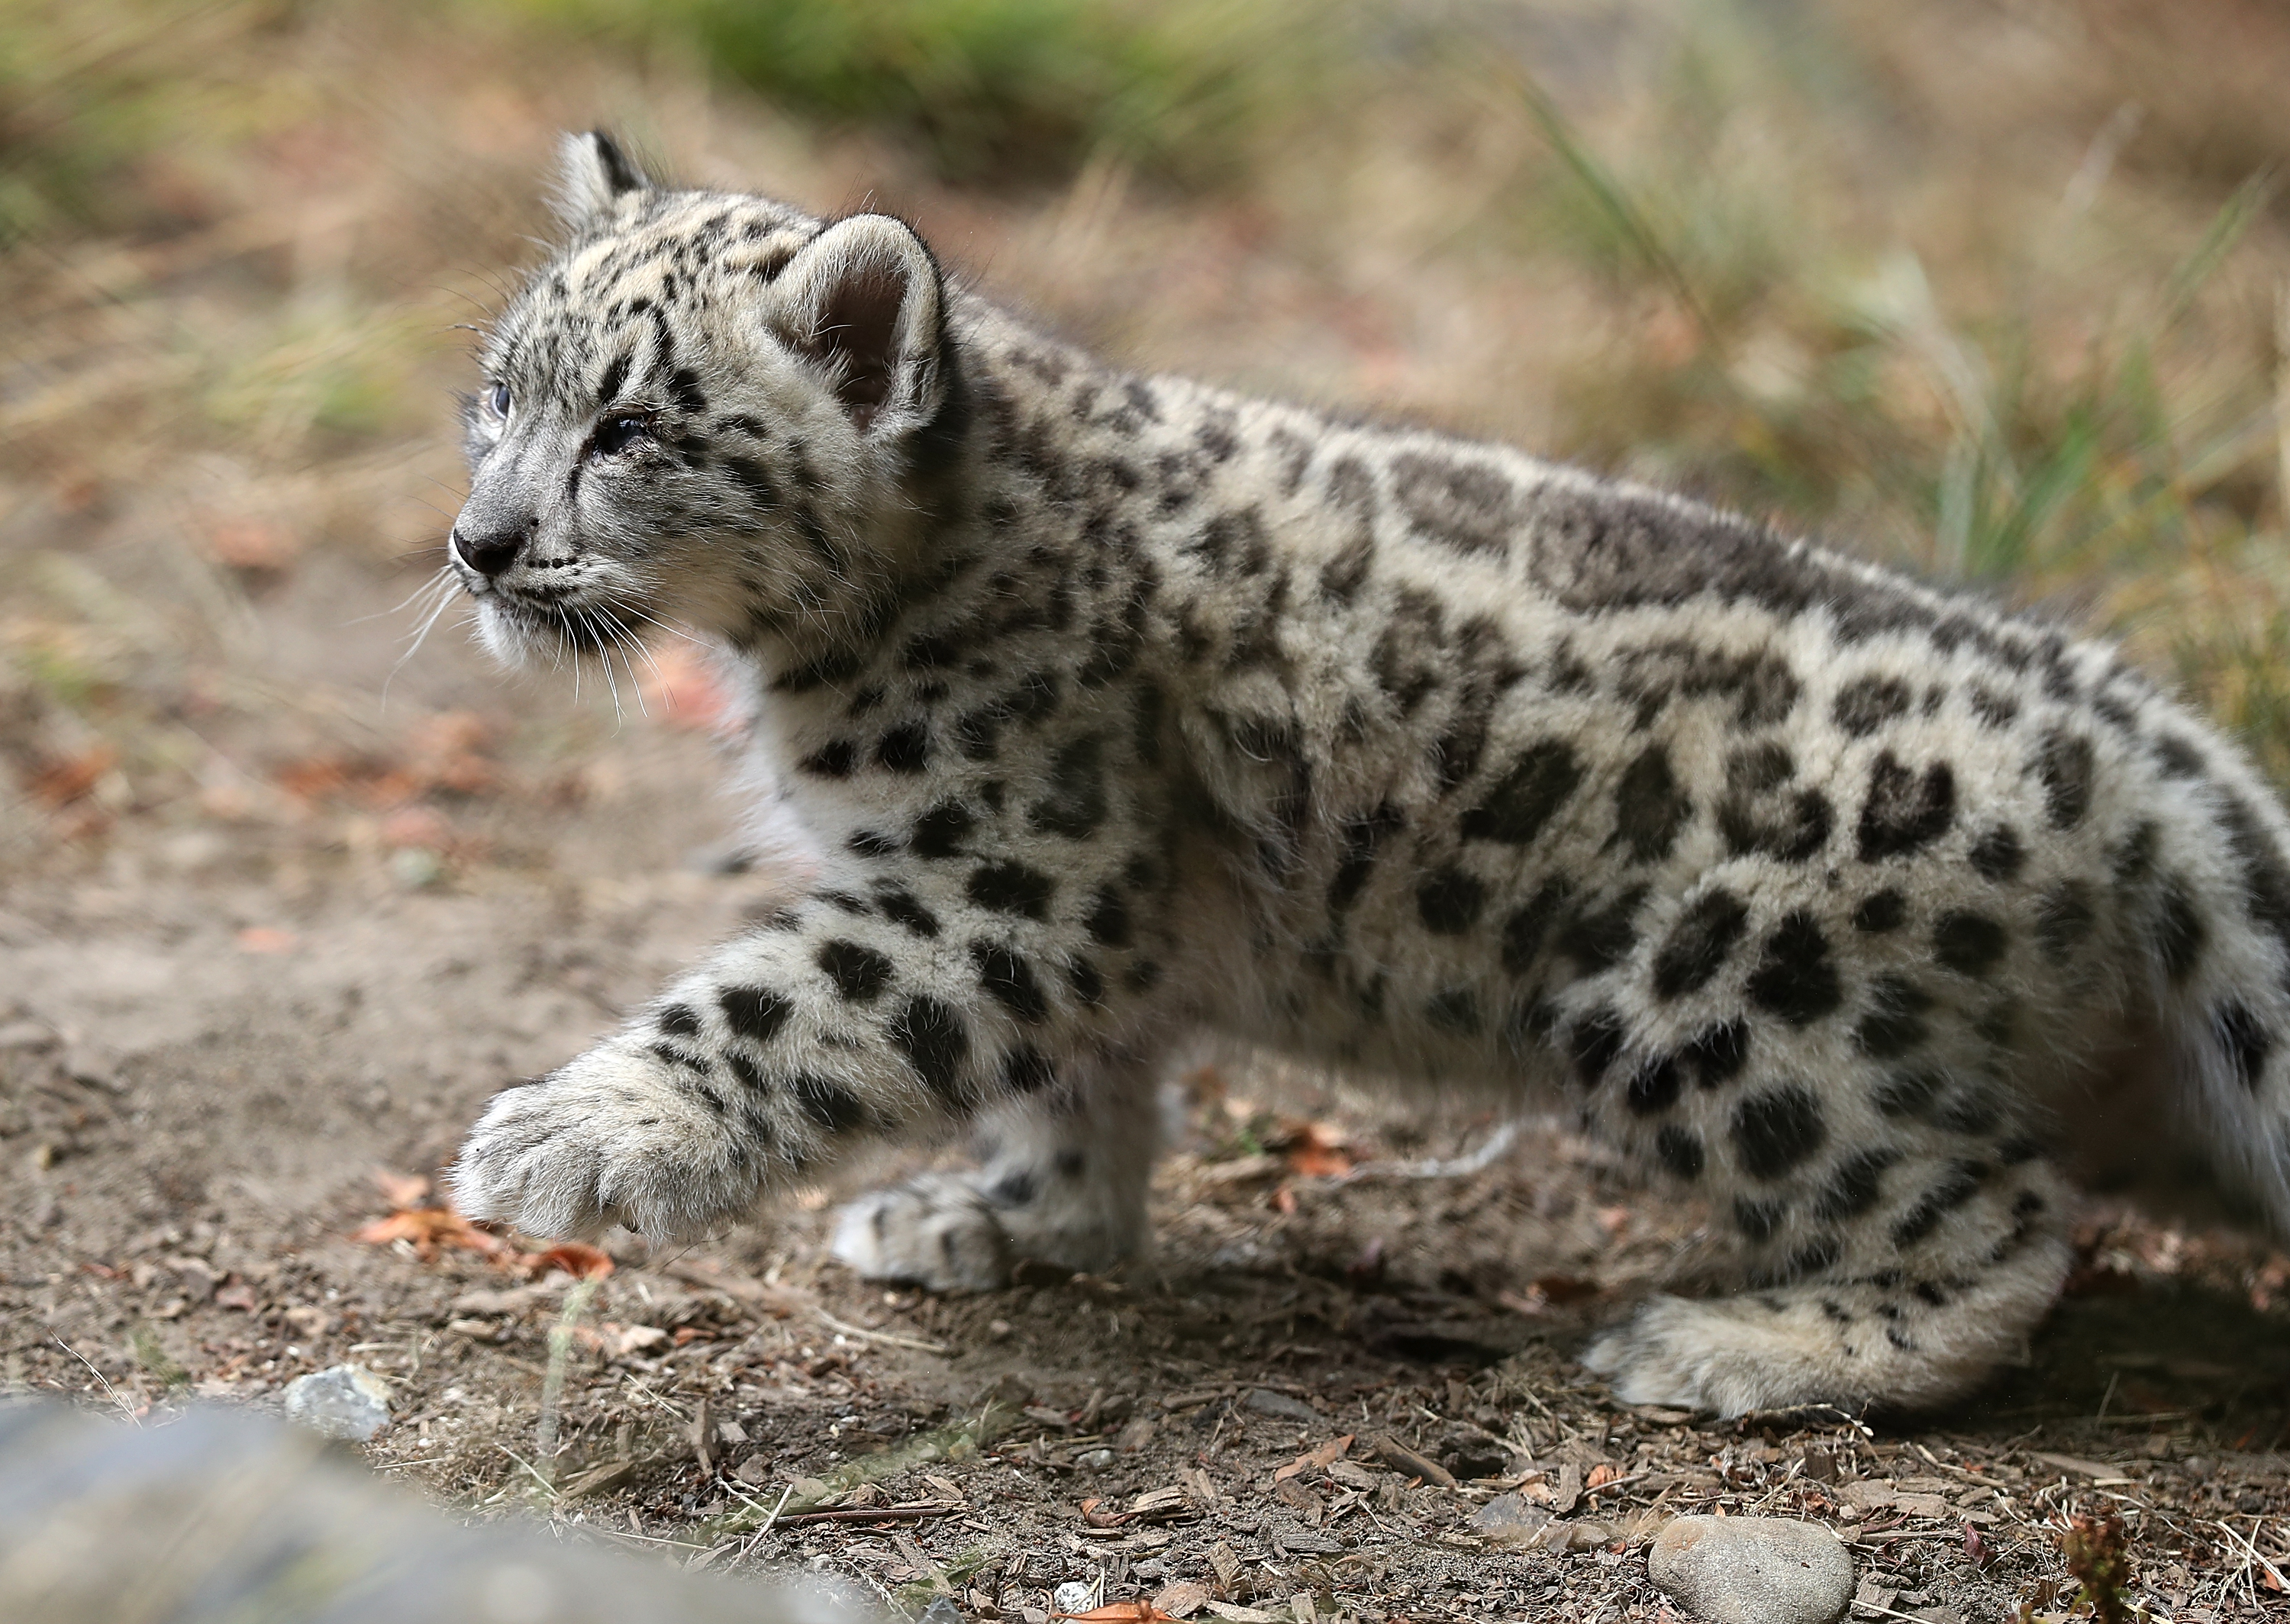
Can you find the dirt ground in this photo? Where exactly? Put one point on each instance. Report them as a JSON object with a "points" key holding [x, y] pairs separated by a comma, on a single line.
{"points": [[278, 913]]}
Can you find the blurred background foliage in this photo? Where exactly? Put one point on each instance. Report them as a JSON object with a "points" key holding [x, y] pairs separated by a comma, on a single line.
{"points": [[1990, 288]]}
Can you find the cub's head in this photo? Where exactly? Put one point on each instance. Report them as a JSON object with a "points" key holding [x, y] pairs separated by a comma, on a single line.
{"points": [[705, 412]]}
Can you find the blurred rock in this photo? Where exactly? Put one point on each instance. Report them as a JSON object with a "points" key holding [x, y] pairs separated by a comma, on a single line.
{"points": [[347, 1401], [222, 1516], [1753, 1570]]}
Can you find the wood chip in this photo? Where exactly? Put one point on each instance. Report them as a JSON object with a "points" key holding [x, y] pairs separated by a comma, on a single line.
{"points": [[2097, 1471], [1397, 1455]]}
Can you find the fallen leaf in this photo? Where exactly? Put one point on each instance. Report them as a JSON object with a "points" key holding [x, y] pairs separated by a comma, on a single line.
{"points": [[402, 1190], [1182, 1599], [1117, 1612], [582, 1262], [1318, 1459], [1317, 1151], [62, 782], [249, 544], [1601, 1475]]}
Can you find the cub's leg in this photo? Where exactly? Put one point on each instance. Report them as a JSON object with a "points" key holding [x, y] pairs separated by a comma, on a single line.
{"points": [[790, 1051], [1905, 1228], [1062, 1178]]}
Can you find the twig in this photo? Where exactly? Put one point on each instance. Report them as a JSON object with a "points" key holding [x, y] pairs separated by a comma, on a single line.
{"points": [[893, 1338], [2258, 1556], [869, 1513], [1437, 1167], [560, 1354], [125, 1408]]}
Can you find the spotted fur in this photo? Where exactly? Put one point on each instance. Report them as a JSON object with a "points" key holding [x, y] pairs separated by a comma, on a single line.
{"points": [[1092, 711]]}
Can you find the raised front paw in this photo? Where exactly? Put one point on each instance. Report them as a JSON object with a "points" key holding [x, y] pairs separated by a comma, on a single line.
{"points": [[612, 1138]]}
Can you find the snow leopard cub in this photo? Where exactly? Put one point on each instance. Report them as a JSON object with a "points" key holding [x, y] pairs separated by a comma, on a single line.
{"points": [[1093, 710]]}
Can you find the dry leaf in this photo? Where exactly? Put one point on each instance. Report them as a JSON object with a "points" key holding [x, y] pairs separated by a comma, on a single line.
{"points": [[1601, 1475], [1118, 1612], [1320, 1459], [62, 782]]}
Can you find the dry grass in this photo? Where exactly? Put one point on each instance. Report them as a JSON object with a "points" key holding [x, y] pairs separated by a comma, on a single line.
{"points": [[1992, 292]]}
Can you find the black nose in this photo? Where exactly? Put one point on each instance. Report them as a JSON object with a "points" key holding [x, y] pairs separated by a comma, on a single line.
{"points": [[490, 554]]}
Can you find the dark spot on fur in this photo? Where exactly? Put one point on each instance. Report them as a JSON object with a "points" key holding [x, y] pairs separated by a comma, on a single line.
{"points": [[833, 759], [903, 907], [1653, 1086], [1854, 1186], [1757, 814], [1467, 507], [834, 1108], [1698, 943], [1010, 979], [1795, 978], [2246, 1041], [1594, 1041], [1598, 941], [1679, 1151], [1523, 932], [1997, 855], [1455, 1010], [905, 749], [941, 831], [1449, 901], [1967, 943], [1955, 1187], [936, 1043], [1909, 1092], [1895, 1023], [860, 974], [1649, 807], [1775, 1132], [1884, 911], [680, 1020], [1757, 1220], [1013, 888], [1717, 1054], [755, 1012], [1905, 811], [1025, 1071], [1076, 803], [2064, 764], [1528, 798], [1866, 703], [1107, 919]]}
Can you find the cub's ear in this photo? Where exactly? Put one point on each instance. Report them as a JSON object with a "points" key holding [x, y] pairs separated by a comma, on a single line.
{"points": [[863, 301], [593, 174]]}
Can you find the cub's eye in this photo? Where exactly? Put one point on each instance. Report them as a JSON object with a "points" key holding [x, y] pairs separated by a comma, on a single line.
{"points": [[616, 434], [496, 403]]}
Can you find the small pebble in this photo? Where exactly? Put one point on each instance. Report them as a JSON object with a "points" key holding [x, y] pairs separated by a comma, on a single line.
{"points": [[346, 1401], [1096, 1459], [1264, 1401], [1510, 1522], [1071, 1597], [1753, 1570]]}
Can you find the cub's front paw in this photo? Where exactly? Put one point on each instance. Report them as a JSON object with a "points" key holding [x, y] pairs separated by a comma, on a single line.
{"points": [[612, 1138], [1728, 1357]]}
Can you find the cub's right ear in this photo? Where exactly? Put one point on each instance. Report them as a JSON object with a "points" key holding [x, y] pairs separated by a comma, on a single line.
{"points": [[593, 174]]}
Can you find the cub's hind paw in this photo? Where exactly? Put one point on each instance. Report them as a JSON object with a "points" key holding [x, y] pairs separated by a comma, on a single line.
{"points": [[609, 1139], [937, 1230]]}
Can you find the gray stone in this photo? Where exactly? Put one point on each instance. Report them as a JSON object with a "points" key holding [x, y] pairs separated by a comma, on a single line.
{"points": [[346, 1401], [1072, 1596], [1510, 1522], [1753, 1570], [1264, 1401]]}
